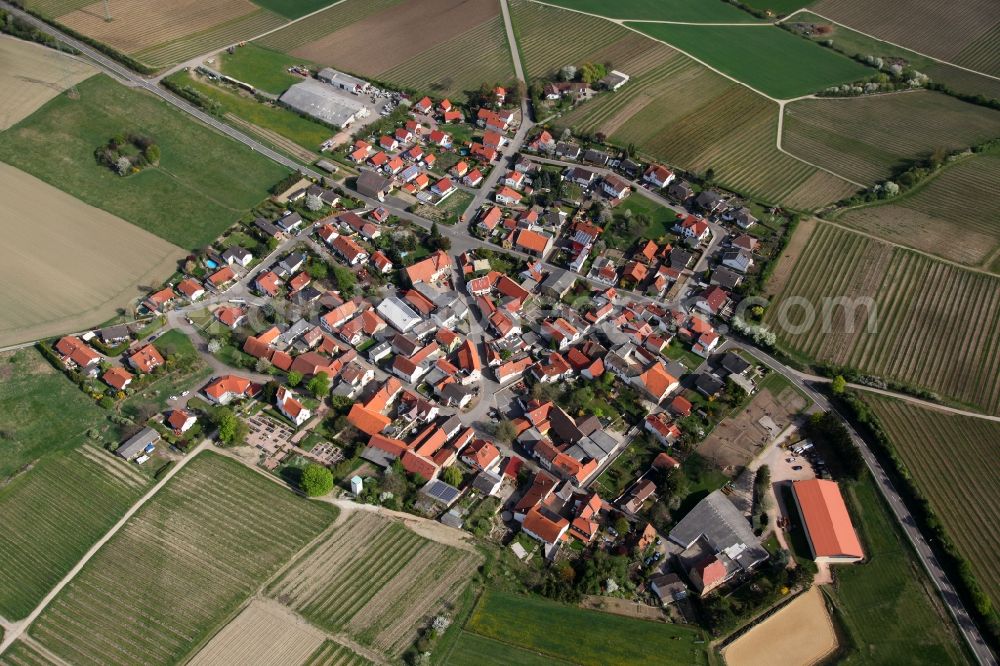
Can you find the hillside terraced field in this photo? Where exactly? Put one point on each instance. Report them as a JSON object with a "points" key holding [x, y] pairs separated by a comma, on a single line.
{"points": [[684, 114], [866, 138], [906, 314], [375, 579], [52, 514], [952, 461], [958, 203], [963, 31], [184, 562]]}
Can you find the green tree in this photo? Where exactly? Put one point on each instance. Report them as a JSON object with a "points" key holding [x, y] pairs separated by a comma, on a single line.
{"points": [[232, 431], [316, 480], [319, 385], [152, 153], [838, 385], [505, 431], [452, 476], [621, 525], [345, 280], [294, 378]]}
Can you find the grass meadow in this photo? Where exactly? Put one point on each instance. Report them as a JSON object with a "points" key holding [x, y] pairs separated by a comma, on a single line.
{"points": [[260, 67], [204, 183], [769, 59], [475, 650], [293, 9], [585, 637], [889, 609], [927, 218], [41, 412], [180, 567], [961, 485], [929, 324], [52, 514]]}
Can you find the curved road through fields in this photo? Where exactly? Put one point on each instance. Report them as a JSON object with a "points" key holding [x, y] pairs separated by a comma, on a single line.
{"points": [[948, 593]]}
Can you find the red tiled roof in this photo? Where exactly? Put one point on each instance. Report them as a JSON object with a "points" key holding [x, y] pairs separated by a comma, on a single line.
{"points": [[828, 524], [117, 377], [146, 359]]}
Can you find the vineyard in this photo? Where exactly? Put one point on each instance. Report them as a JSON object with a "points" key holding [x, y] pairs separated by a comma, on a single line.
{"points": [[769, 59], [927, 324], [195, 44], [324, 23], [447, 70], [376, 580], [663, 10], [927, 218], [963, 32], [52, 515], [334, 654], [179, 567], [952, 461], [21, 653], [866, 138]]}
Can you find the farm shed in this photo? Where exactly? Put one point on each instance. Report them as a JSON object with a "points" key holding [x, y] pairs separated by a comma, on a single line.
{"points": [[828, 526], [138, 443], [323, 102]]}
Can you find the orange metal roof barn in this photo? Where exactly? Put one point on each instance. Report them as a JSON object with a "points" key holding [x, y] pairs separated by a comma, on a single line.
{"points": [[827, 522]]}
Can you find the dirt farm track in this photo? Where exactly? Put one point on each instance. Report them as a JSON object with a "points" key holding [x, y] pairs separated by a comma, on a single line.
{"points": [[66, 265]]}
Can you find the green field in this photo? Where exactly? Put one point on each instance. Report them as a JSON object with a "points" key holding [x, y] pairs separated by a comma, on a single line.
{"points": [[769, 59], [585, 637], [920, 308], [927, 218], [661, 218], [962, 486], [867, 139], [293, 9], [288, 124], [686, 115], [703, 11], [475, 650], [204, 183], [885, 604], [262, 68], [180, 567], [777, 7], [23, 654], [374, 579], [446, 70], [41, 412], [53, 514]]}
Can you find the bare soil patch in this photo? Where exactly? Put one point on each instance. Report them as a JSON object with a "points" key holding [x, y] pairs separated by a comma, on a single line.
{"points": [[405, 30], [140, 24], [786, 263], [800, 634], [33, 74], [264, 633], [736, 440], [66, 265]]}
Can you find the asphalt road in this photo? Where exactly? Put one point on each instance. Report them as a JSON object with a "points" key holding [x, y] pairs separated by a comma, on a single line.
{"points": [[458, 234]]}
